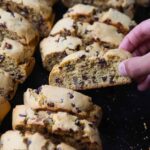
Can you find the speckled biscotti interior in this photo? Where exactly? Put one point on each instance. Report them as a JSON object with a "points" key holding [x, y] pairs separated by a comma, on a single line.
{"points": [[31, 141]]}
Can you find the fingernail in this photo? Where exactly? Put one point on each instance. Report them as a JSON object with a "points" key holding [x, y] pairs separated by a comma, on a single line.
{"points": [[122, 69]]}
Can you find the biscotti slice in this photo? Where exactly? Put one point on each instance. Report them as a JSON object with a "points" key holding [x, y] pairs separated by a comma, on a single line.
{"points": [[18, 72], [81, 12], [81, 70], [126, 6], [38, 12], [113, 17], [46, 97], [71, 129], [55, 48], [7, 86], [15, 50], [29, 141], [107, 35], [15, 140], [4, 108], [16, 27]]}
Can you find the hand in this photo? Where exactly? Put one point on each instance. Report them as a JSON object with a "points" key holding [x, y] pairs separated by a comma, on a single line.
{"points": [[138, 43]]}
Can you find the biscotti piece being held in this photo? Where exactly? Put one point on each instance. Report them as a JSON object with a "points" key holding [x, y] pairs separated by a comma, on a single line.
{"points": [[16, 27], [4, 108], [81, 70], [7, 86], [46, 97], [64, 126], [38, 12]]}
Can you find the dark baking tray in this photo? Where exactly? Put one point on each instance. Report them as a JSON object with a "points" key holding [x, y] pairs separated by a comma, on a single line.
{"points": [[126, 112]]}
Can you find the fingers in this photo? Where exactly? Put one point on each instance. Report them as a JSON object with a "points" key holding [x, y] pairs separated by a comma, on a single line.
{"points": [[136, 67], [145, 84], [142, 49], [137, 36]]}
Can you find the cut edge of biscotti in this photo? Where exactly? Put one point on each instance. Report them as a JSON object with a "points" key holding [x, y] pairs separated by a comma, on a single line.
{"points": [[54, 48], [39, 14], [18, 72], [82, 70], [4, 108], [126, 7], [18, 28], [46, 98], [29, 140], [74, 132], [112, 16]]}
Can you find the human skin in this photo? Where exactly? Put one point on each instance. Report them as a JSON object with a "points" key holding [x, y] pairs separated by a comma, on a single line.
{"points": [[138, 43]]}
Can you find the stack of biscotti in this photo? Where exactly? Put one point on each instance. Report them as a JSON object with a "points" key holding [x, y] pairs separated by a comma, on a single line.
{"points": [[53, 118], [38, 12], [15, 140], [126, 6], [18, 40], [81, 51]]}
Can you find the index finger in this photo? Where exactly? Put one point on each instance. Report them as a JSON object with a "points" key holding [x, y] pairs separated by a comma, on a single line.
{"points": [[136, 37]]}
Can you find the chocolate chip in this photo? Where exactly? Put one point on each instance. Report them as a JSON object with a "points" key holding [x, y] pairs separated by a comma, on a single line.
{"points": [[3, 25], [84, 77], [73, 105], [111, 79], [69, 68], [70, 95], [58, 80], [77, 122], [78, 110], [8, 46], [38, 90], [82, 57], [91, 125], [104, 78], [22, 115], [2, 58], [50, 104], [102, 63]]}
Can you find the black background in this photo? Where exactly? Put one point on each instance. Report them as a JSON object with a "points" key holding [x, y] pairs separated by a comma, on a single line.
{"points": [[125, 110]]}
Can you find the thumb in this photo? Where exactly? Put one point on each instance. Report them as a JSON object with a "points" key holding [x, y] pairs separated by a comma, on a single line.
{"points": [[135, 67]]}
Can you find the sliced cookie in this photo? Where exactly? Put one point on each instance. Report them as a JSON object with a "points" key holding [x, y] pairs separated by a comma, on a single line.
{"points": [[46, 97], [38, 12], [71, 129], [16, 27], [18, 72], [29, 141], [4, 108], [8, 86], [126, 6], [89, 71], [14, 49], [55, 48]]}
